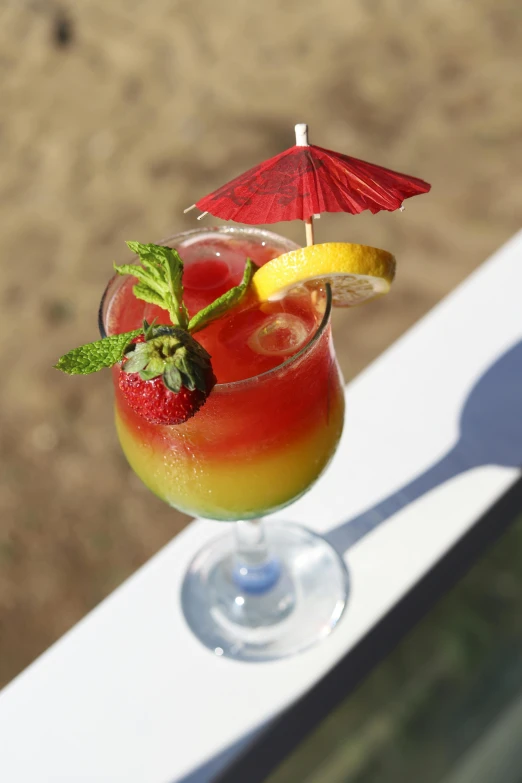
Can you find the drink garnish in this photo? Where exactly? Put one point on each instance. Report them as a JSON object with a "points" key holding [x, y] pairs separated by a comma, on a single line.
{"points": [[94, 356], [160, 279], [356, 273], [165, 374]]}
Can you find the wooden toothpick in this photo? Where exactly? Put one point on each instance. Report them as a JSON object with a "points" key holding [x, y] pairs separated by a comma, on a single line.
{"points": [[301, 140]]}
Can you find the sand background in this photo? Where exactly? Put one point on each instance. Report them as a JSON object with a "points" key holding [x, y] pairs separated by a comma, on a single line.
{"points": [[116, 115]]}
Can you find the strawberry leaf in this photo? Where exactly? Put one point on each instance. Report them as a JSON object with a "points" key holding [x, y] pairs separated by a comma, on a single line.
{"points": [[148, 375], [138, 361], [172, 378], [94, 356], [223, 303], [156, 365]]}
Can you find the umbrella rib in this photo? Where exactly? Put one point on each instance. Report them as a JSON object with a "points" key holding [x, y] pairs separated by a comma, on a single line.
{"points": [[318, 187], [339, 185], [407, 185], [374, 189]]}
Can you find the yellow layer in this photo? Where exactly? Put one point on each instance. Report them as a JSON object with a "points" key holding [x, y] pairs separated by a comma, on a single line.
{"points": [[230, 489]]}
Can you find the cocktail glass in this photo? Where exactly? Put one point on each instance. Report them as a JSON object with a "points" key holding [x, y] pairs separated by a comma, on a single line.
{"points": [[258, 592]]}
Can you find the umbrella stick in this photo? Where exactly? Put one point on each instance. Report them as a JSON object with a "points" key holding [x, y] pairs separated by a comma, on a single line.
{"points": [[301, 140], [309, 228], [301, 135]]}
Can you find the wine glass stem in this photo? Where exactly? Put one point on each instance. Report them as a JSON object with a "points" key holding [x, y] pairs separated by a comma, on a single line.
{"points": [[255, 571], [251, 541]]}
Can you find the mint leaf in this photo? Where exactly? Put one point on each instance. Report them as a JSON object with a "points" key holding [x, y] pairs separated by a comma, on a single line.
{"points": [[160, 279], [147, 258], [144, 292], [223, 303], [143, 276], [94, 356]]}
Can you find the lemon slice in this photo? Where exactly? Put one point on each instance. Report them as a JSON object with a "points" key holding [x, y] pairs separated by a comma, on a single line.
{"points": [[356, 273]]}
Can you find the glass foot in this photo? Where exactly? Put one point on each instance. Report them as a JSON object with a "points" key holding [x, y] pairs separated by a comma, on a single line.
{"points": [[268, 610]]}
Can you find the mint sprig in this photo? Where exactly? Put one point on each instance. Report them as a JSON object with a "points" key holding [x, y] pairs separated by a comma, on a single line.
{"points": [[161, 283], [168, 350], [94, 356], [224, 302], [160, 279]]}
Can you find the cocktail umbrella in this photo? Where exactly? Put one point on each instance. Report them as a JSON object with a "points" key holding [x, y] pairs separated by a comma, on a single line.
{"points": [[304, 181]]}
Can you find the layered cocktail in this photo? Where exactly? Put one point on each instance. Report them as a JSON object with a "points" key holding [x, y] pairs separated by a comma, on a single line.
{"points": [[273, 420]]}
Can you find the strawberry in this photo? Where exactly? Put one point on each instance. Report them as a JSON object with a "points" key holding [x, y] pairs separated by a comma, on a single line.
{"points": [[151, 398]]}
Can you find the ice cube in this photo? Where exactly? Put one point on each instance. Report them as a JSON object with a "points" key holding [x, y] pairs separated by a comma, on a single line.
{"points": [[280, 334]]}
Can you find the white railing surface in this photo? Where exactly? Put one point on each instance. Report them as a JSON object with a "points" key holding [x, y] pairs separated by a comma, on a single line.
{"points": [[433, 437]]}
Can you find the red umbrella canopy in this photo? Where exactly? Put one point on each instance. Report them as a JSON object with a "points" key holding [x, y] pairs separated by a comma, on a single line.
{"points": [[304, 181]]}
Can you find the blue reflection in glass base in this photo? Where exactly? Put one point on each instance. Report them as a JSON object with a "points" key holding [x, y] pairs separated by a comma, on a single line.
{"points": [[256, 580]]}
